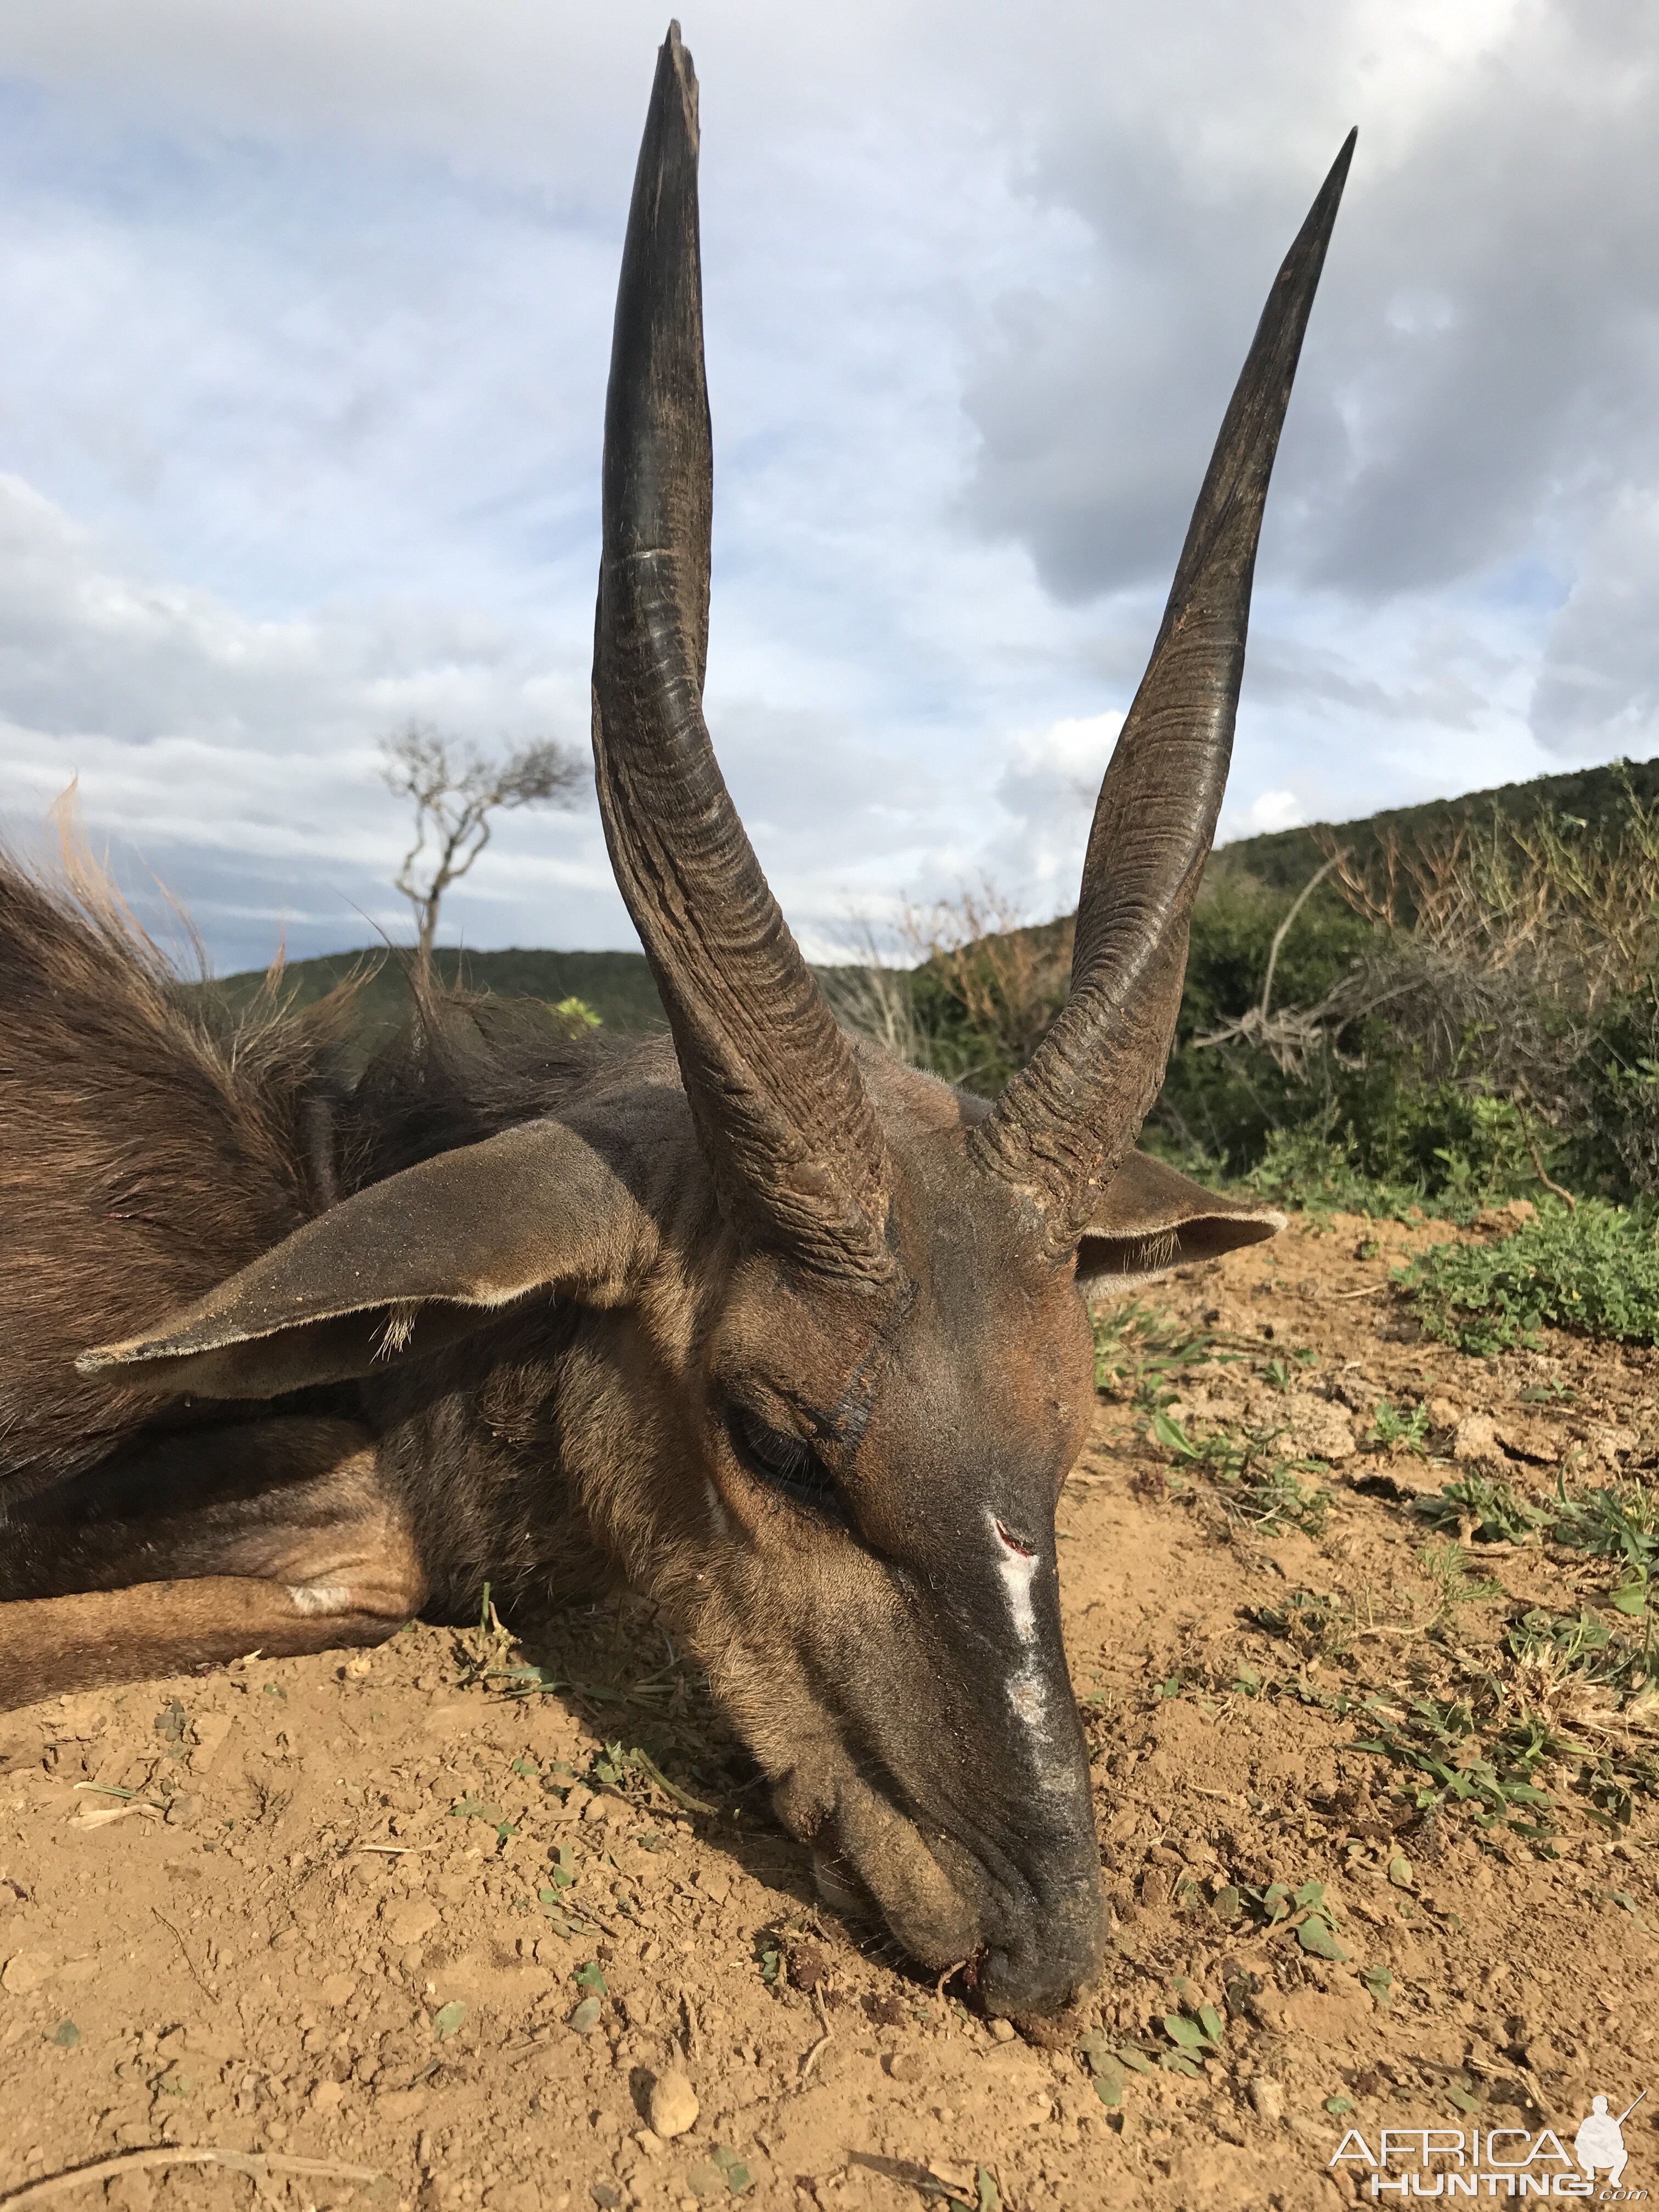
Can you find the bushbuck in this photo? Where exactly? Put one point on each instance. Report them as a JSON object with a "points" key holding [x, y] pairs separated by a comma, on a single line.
{"points": [[791, 1336]]}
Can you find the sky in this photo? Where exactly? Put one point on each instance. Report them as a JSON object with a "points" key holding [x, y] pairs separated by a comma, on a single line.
{"points": [[307, 319]]}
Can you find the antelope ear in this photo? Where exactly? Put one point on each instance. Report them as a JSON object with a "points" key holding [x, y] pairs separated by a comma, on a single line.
{"points": [[402, 1269], [1151, 1219]]}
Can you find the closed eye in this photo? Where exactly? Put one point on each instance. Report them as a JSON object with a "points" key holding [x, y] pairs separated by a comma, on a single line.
{"points": [[786, 1463]]}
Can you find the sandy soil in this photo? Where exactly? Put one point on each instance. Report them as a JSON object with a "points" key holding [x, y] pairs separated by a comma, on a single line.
{"points": [[405, 1912]]}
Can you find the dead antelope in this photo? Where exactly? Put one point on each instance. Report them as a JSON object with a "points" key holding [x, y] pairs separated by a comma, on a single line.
{"points": [[793, 1337]]}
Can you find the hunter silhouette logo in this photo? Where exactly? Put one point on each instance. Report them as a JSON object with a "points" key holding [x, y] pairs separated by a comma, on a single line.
{"points": [[1446, 2162], [1600, 2142]]}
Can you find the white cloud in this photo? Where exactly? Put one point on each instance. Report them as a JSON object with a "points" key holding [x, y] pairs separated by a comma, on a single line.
{"points": [[307, 312], [1048, 789], [1274, 810]]}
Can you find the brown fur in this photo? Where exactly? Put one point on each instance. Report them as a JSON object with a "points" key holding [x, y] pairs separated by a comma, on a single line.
{"points": [[557, 1392], [151, 1147]]}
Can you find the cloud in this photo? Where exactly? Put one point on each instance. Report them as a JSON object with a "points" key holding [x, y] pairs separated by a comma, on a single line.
{"points": [[1598, 683], [1274, 810], [1049, 789], [308, 313]]}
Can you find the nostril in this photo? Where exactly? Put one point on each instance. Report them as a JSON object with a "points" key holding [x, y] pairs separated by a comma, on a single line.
{"points": [[1020, 1549]]}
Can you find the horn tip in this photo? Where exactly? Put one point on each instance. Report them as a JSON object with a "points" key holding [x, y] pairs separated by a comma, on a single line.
{"points": [[675, 57], [1337, 176]]}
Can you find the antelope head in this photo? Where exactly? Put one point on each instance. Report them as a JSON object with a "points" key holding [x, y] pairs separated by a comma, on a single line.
{"points": [[901, 1372], [835, 1440]]}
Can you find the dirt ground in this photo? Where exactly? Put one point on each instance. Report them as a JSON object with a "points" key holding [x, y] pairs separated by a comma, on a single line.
{"points": [[407, 1912]]}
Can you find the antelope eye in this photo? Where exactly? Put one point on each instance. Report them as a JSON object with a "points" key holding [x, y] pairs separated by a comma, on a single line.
{"points": [[785, 1463]]}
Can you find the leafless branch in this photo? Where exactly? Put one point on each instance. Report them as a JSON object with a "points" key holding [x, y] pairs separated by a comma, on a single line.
{"points": [[455, 789]]}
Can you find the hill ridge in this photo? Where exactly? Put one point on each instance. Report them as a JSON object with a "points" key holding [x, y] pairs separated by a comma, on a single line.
{"points": [[619, 987]]}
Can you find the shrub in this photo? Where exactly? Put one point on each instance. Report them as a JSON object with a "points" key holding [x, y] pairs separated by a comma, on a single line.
{"points": [[1594, 1269]]}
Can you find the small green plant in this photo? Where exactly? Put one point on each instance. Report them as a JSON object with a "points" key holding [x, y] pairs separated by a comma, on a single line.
{"points": [[1145, 1355], [1582, 1645], [1397, 1431], [1303, 1910], [1313, 1626], [1258, 1487], [1447, 1568], [1194, 2039], [1621, 1525], [1593, 1268], [1449, 1756], [1614, 1524], [1496, 1514]]}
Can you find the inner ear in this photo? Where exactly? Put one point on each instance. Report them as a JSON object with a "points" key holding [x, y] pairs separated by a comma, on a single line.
{"points": [[1151, 1219]]}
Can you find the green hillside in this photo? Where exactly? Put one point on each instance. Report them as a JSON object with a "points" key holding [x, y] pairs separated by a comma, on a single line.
{"points": [[617, 985], [1247, 886], [1594, 797]]}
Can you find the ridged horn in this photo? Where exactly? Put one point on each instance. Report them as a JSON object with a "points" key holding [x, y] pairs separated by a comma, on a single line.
{"points": [[780, 1107], [1067, 1119]]}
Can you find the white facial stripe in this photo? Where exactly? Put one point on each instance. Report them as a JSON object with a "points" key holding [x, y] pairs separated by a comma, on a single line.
{"points": [[1028, 1690], [321, 1598], [1016, 1569], [716, 1510]]}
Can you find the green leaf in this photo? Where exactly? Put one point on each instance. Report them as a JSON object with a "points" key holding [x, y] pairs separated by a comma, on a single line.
{"points": [[1136, 2061], [1186, 2033], [1311, 1892], [1399, 1871], [1229, 1903], [1276, 1899], [589, 1978], [1631, 1599], [586, 2015], [769, 1962], [1177, 2062], [990, 2196], [475, 1808], [1337, 2105], [447, 2019], [1173, 1438], [1110, 2078], [1379, 1981], [1463, 2101], [66, 2035], [1313, 1934], [1522, 1793], [1210, 2022]]}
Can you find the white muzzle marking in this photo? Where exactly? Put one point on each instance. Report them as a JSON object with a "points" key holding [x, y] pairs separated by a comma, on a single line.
{"points": [[1028, 1693]]}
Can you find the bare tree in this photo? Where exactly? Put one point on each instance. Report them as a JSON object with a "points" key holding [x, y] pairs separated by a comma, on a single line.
{"points": [[456, 789]]}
